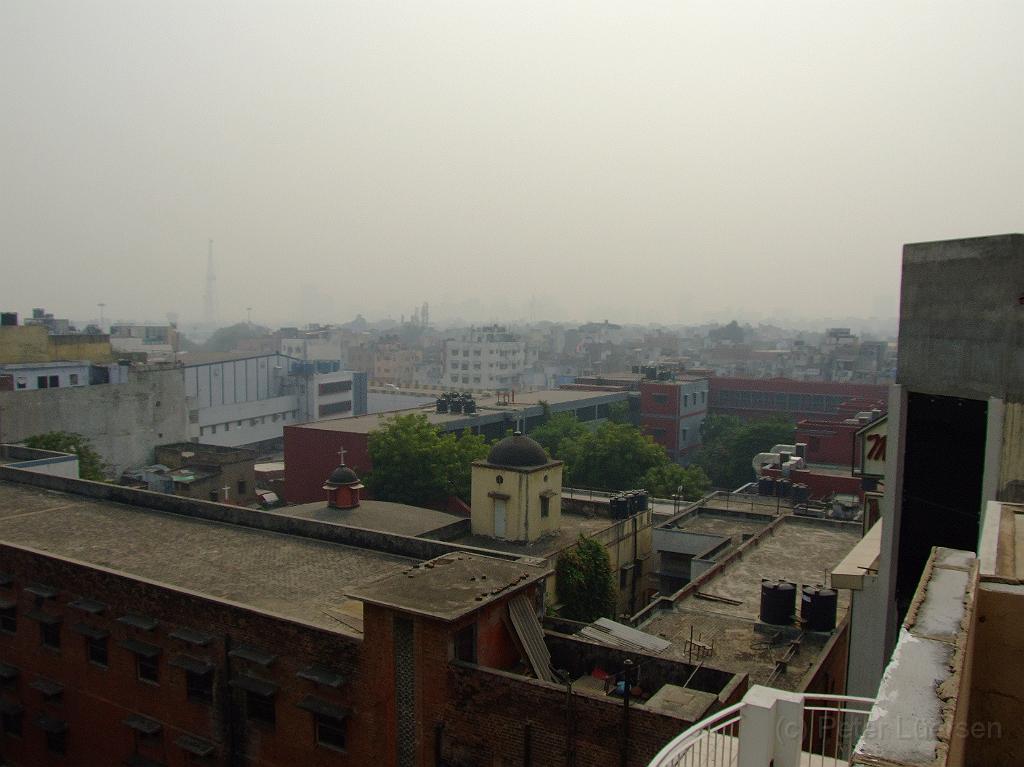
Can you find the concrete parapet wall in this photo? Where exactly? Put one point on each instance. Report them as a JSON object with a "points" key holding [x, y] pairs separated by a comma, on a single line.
{"points": [[123, 422], [391, 543]]}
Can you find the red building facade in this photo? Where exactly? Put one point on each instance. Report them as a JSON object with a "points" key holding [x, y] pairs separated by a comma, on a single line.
{"points": [[311, 454], [672, 412], [752, 398]]}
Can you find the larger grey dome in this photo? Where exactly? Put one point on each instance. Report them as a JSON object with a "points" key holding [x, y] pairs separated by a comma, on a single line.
{"points": [[518, 451]]}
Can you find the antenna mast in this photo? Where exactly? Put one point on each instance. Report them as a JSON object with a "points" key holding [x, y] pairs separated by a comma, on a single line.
{"points": [[211, 284]]}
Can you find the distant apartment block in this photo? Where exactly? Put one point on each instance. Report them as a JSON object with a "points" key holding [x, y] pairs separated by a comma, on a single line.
{"points": [[155, 341], [485, 358]]}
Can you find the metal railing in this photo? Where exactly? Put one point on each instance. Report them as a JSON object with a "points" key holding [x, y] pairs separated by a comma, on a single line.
{"points": [[827, 729], [714, 741]]}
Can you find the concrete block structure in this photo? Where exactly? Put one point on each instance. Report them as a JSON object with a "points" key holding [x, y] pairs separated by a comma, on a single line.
{"points": [[210, 471], [124, 422]]}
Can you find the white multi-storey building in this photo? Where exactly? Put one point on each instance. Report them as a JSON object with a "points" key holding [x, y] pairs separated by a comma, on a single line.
{"points": [[240, 400], [155, 341], [485, 358]]}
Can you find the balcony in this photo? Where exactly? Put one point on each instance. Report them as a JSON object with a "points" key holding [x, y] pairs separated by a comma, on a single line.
{"points": [[772, 727]]}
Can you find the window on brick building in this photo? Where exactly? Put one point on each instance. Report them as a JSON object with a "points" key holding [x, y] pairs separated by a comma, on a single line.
{"points": [[56, 734], [147, 668], [260, 708], [57, 742], [49, 634], [199, 686], [96, 650], [9, 619], [330, 731], [465, 644], [11, 715]]}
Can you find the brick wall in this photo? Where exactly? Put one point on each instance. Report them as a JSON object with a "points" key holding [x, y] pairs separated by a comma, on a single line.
{"points": [[96, 701], [496, 718], [827, 441], [310, 455]]}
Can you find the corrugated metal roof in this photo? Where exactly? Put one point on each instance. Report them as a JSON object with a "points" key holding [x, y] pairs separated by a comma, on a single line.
{"points": [[530, 633], [614, 634]]}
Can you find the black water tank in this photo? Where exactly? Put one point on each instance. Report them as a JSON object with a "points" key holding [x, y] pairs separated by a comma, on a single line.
{"points": [[765, 486], [442, 405], [8, 319], [778, 602], [818, 608], [469, 406], [641, 500], [782, 488], [801, 493], [619, 506], [455, 405]]}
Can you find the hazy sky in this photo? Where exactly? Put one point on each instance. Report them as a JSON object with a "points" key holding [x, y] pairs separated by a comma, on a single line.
{"points": [[632, 160]]}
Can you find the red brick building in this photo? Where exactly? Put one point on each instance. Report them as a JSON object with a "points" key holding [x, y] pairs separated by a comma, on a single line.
{"points": [[146, 629], [311, 449], [672, 412], [751, 398]]}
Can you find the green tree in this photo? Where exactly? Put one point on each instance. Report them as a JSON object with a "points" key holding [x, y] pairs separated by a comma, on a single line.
{"points": [[615, 457], [465, 449], [414, 463], [583, 579], [90, 465], [663, 481], [618, 412], [557, 428], [730, 446]]}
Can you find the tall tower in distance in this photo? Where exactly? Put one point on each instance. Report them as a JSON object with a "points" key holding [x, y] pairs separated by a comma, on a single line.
{"points": [[211, 288]]}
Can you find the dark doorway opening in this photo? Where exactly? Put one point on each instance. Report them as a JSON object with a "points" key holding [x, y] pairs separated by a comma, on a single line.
{"points": [[944, 459]]}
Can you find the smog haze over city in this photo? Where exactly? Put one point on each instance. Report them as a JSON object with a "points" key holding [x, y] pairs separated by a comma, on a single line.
{"points": [[645, 162]]}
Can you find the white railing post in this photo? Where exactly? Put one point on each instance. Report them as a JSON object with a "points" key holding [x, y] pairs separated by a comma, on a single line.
{"points": [[771, 728]]}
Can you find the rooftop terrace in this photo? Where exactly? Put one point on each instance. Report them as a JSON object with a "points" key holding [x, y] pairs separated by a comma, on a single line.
{"points": [[295, 577], [722, 609], [385, 516], [488, 407]]}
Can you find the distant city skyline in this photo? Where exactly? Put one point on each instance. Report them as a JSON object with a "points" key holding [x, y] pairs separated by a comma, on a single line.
{"points": [[668, 162]]}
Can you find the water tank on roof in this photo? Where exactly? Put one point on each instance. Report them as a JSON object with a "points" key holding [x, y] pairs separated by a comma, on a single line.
{"points": [[469, 406], [455, 405], [442, 405], [801, 450], [778, 602], [801, 493], [641, 500], [8, 319], [818, 608], [619, 506], [782, 488], [765, 486]]}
